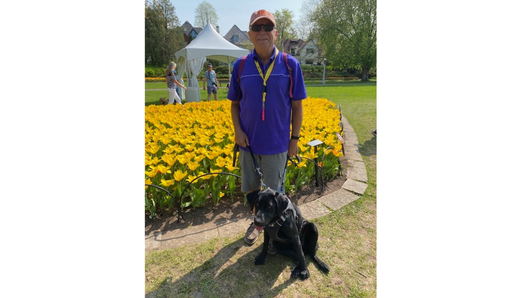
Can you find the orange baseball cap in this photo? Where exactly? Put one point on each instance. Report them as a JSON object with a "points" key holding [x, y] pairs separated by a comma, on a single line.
{"points": [[262, 14]]}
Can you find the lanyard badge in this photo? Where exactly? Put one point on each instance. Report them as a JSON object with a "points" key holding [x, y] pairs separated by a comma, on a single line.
{"points": [[264, 78]]}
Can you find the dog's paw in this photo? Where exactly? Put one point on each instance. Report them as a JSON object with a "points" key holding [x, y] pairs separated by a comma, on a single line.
{"points": [[323, 266], [260, 259], [303, 274]]}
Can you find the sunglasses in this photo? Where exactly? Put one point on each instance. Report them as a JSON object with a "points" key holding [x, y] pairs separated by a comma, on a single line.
{"points": [[267, 28]]}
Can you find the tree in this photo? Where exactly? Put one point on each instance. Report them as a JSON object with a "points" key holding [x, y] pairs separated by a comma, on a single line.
{"points": [[304, 26], [205, 12], [163, 34], [347, 31], [284, 20]]}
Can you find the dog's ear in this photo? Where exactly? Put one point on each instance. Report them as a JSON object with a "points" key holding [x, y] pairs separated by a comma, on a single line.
{"points": [[281, 202], [252, 199]]}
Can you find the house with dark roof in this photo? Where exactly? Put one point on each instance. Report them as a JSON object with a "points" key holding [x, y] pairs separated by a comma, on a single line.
{"points": [[237, 36], [190, 32]]}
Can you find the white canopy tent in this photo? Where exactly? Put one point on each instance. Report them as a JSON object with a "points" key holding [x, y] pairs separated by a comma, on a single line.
{"points": [[207, 45]]}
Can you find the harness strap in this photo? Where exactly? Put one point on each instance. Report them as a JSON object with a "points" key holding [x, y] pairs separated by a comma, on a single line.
{"points": [[290, 75], [240, 67], [282, 218]]}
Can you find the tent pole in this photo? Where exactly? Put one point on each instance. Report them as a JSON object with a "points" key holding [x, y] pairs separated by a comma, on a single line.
{"points": [[228, 68]]}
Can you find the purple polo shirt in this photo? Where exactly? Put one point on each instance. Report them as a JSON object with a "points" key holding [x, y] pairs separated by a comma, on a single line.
{"points": [[272, 135]]}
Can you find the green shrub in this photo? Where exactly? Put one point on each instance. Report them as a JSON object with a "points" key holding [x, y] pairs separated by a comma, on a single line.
{"points": [[153, 71]]}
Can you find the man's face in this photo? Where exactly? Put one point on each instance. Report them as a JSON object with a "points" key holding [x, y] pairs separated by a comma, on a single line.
{"points": [[263, 39]]}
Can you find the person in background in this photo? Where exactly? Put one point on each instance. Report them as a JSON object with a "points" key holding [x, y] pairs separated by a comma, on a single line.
{"points": [[262, 110], [212, 84], [178, 88], [171, 83]]}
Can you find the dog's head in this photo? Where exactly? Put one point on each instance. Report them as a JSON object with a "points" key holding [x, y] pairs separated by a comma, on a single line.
{"points": [[268, 207], [163, 101]]}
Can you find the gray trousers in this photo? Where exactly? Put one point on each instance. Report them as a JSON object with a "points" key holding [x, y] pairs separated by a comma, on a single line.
{"points": [[272, 167]]}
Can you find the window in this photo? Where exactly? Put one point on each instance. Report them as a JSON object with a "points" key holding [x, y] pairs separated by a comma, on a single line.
{"points": [[234, 39], [309, 61], [292, 52], [310, 51]]}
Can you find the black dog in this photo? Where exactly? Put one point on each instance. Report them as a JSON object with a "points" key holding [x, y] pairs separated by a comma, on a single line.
{"points": [[292, 235]]}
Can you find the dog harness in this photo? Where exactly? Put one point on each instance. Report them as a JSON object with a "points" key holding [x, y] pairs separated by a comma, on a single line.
{"points": [[272, 229]]}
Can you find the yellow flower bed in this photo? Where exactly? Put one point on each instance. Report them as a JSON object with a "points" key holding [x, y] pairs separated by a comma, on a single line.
{"points": [[183, 142], [155, 79]]}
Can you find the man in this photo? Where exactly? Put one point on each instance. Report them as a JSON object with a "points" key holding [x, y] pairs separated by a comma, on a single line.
{"points": [[262, 119], [212, 83]]}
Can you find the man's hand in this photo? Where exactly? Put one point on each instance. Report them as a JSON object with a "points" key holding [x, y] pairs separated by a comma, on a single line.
{"points": [[241, 139], [292, 149]]}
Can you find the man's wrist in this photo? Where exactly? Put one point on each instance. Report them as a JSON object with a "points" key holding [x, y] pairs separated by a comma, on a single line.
{"points": [[295, 137]]}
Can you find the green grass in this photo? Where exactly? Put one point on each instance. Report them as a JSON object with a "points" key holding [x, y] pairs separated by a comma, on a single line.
{"points": [[153, 96], [224, 267]]}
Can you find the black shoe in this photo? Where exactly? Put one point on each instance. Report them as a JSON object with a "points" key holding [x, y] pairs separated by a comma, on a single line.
{"points": [[251, 235]]}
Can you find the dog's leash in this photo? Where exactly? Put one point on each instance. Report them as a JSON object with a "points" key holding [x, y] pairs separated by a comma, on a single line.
{"points": [[255, 164], [257, 167]]}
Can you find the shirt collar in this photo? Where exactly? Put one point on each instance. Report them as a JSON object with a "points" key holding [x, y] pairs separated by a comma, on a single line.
{"points": [[270, 59]]}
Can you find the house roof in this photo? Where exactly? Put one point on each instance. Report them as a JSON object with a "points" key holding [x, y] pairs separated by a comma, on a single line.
{"points": [[293, 44], [188, 27], [242, 35]]}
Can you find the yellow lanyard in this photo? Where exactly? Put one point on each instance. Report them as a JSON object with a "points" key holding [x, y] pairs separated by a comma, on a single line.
{"points": [[270, 69]]}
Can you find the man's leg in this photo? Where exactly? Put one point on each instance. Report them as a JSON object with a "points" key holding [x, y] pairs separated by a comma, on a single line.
{"points": [[273, 166], [250, 185]]}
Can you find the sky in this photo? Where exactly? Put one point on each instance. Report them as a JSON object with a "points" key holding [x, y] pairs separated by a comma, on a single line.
{"points": [[234, 12]]}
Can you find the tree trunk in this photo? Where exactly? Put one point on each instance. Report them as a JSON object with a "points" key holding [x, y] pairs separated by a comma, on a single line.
{"points": [[365, 74]]}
